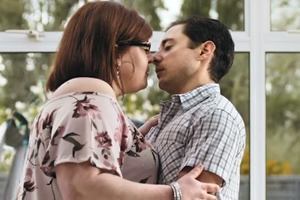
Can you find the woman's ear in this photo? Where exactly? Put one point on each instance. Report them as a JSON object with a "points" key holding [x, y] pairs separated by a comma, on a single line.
{"points": [[118, 56], [119, 62], [206, 50]]}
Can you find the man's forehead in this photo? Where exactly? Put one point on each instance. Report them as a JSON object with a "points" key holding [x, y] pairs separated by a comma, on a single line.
{"points": [[173, 33], [174, 30]]}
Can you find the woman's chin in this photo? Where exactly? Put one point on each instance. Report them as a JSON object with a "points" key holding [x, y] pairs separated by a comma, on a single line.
{"points": [[141, 87], [145, 85]]}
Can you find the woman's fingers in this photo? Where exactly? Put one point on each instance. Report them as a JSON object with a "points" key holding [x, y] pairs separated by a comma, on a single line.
{"points": [[211, 197], [193, 189], [212, 188], [196, 171], [153, 121]]}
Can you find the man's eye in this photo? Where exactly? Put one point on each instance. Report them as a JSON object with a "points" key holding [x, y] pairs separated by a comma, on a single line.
{"points": [[167, 48]]}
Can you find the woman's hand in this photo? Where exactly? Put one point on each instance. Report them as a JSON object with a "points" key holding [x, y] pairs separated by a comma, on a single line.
{"points": [[153, 121], [191, 188]]}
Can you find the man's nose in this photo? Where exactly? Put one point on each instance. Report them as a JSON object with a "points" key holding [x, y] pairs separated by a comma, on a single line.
{"points": [[154, 58]]}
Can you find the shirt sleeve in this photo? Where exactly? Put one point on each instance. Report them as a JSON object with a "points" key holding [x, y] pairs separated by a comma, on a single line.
{"points": [[90, 129], [214, 144]]}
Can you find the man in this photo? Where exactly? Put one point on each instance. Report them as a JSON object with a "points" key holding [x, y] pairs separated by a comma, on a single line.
{"points": [[198, 125]]}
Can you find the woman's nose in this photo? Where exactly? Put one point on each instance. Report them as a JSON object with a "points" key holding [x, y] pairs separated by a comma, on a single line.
{"points": [[150, 58]]}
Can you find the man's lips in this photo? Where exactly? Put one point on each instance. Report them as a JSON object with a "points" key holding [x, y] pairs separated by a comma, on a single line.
{"points": [[159, 70]]}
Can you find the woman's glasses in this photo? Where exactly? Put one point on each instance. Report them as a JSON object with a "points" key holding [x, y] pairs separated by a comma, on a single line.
{"points": [[145, 45]]}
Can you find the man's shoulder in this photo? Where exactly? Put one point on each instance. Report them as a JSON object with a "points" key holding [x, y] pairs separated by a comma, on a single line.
{"points": [[216, 107], [226, 106]]}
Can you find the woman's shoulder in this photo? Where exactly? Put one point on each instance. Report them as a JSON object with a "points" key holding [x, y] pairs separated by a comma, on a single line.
{"points": [[84, 84]]}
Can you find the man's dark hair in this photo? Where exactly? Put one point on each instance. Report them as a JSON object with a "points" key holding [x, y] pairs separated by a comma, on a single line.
{"points": [[200, 30]]}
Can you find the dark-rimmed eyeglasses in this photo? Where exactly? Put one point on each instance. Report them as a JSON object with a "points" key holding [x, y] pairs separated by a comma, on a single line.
{"points": [[145, 45]]}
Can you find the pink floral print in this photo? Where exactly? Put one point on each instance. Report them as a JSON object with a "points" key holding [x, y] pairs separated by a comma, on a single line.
{"points": [[70, 128]]}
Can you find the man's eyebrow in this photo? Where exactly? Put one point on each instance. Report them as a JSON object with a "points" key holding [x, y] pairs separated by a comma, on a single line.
{"points": [[166, 40]]}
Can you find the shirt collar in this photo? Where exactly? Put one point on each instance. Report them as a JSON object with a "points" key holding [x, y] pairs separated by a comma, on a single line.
{"points": [[197, 95]]}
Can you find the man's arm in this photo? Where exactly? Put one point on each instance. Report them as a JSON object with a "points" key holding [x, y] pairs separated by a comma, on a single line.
{"points": [[205, 176], [214, 144]]}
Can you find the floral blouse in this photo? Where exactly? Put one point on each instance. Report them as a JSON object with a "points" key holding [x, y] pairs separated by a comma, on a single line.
{"points": [[79, 127]]}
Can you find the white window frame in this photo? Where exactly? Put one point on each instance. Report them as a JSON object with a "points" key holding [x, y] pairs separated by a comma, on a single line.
{"points": [[257, 39]]}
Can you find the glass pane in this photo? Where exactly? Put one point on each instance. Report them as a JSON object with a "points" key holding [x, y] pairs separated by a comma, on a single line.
{"points": [[22, 79], [6, 162], [235, 86], [36, 14], [52, 15], [161, 13], [285, 15], [282, 125]]}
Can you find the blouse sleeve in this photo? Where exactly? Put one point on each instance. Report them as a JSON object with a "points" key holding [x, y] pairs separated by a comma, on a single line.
{"points": [[88, 128]]}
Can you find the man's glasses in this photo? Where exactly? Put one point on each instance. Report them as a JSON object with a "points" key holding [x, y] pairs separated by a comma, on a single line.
{"points": [[145, 45]]}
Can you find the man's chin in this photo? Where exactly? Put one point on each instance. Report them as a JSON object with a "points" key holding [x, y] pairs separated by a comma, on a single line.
{"points": [[162, 86]]}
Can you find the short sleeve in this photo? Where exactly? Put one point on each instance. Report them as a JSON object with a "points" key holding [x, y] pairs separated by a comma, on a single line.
{"points": [[88, 128], [214, 144]]}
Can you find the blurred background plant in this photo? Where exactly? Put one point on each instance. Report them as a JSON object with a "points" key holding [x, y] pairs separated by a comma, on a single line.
{"points": [[276, 167], [273, 167], [245, 165], [6, 160]]}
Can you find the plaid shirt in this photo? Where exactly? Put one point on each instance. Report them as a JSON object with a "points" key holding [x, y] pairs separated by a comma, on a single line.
{"points": [[200, 126]]}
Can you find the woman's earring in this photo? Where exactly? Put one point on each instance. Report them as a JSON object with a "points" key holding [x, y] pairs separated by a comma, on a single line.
{"points": [[118, 71], [120, 81], [118, 68]]}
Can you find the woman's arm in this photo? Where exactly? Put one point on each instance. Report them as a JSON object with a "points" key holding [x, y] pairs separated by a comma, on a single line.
{"points": [[85, 182]]}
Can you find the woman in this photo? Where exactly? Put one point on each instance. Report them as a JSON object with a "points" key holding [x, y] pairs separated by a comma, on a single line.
{"points": [[82, 146]]}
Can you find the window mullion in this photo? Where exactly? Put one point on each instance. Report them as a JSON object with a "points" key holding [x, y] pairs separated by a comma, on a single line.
{"points": [[258, 26], [282, 42], [22, 42]]}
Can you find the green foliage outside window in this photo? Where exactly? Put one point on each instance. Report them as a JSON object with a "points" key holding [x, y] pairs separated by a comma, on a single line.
{"points": [[22, 76]]}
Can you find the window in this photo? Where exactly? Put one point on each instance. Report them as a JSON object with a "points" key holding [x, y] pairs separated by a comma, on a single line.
{"points": [[282, 125], [263, 83], [285, 15]]}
